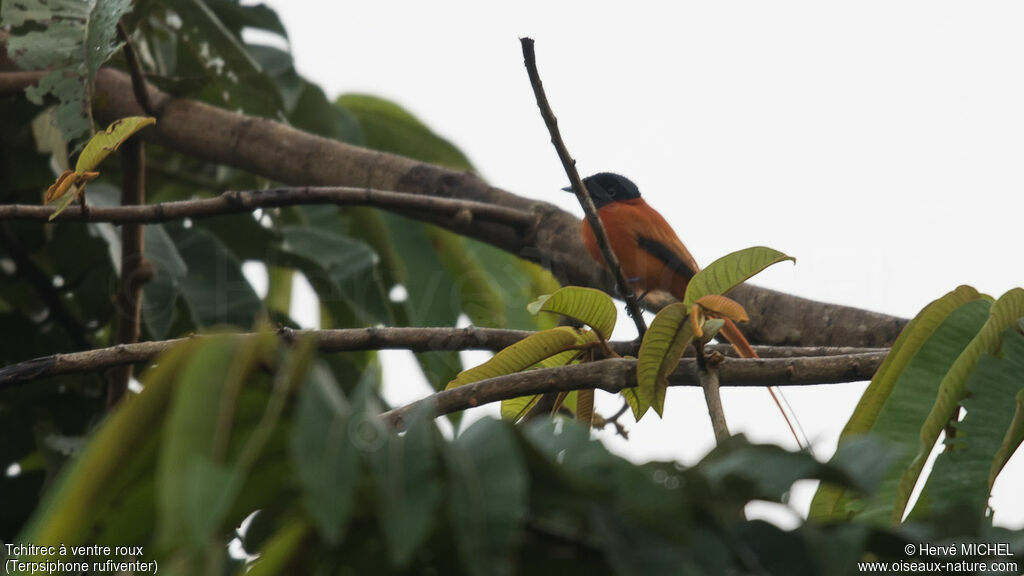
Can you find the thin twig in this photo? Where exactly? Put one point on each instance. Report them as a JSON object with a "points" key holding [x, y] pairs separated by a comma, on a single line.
{"points": [[707, 374], [415, 339], [845, 367], [234, 202], [625, 289], [135, 71], [135, 271], [614, 374]]}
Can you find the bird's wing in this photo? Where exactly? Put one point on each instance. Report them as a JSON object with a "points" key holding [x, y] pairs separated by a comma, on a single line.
{"points": [[678, 259]]}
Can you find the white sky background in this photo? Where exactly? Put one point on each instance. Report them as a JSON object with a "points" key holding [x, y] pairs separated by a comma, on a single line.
{"points": [[879, 143]]}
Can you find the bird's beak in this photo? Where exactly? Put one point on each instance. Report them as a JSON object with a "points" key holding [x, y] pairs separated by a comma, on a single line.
{"points": [[567, 189]]}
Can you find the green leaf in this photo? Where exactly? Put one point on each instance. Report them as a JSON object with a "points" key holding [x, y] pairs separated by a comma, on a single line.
{"points": [[324, 454], [898, 422], [827, 500], [280, 550], [389, 127], [487, 497], [523, 354], [587, 305], [903, 351], [962, 476], [431, 299], [478, 295], [409, 488], [163, 289], [1003, 314], [515, 408], [75, 40], [518, 282], [191, 471], [216, 66], [1012, 440], [662, 347], [340, 269], [86, 486], [169, 270], [215, 289], [103, 143], [730, 271], [237, 17]]}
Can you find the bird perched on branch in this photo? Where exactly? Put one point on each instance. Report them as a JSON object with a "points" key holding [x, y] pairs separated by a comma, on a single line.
{"points": [[650, 253]]}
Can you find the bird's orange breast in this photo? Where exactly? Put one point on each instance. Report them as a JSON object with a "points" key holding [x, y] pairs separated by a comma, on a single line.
{"points": [[626, 222]]}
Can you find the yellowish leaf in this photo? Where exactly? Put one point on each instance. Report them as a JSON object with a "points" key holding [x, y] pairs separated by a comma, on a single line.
{"points": [[103, 143], [591, 307], [60, 187], [522, 355], [723, 307]]}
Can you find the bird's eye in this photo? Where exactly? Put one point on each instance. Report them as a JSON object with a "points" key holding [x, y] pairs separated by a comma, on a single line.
{"points": [[613, 191]]}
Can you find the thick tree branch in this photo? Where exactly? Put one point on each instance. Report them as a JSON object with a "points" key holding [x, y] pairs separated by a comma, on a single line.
{"points": [[612, 375], [234, 202], [281, 153], [569, 165], [414, 339]]}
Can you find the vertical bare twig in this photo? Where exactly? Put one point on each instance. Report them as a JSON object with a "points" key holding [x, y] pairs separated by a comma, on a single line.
{"points": [[709, 382], [707, 374], [135, 71], [632, 305], [135, 271]]}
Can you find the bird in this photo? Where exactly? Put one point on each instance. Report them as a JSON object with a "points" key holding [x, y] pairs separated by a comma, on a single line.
{"points": [[649, 251]]}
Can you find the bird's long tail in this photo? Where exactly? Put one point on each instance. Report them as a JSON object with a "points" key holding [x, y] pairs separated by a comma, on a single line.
{"points": [[739, 342]]}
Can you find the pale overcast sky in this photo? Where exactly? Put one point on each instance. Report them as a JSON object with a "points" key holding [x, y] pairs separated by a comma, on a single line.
{"points": [[879, 143]]}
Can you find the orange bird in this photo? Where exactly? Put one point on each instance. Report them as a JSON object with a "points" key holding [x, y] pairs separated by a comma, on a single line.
{"points": [[650, 253]]}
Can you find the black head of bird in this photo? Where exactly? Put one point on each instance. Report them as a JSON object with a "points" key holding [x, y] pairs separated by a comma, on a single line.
{"points": [[607, 187]]}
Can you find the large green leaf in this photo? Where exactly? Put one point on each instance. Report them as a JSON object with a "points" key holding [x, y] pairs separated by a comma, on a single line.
{"points": [[962, 476], [431, 296], [1003, 314], [479, 297], [387, 126], [918, 387], [409, 488], [523, 354], [487, 498], [161, 292], [195, 487], [1013, 439], [903, 350], [587, 305], [324, 452], [213, 64], [518, 282], [75, 39], [340, 269], [662, 347], [730, 271], [215, 289], [88, 485], [280, 550], [899, 421]]}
